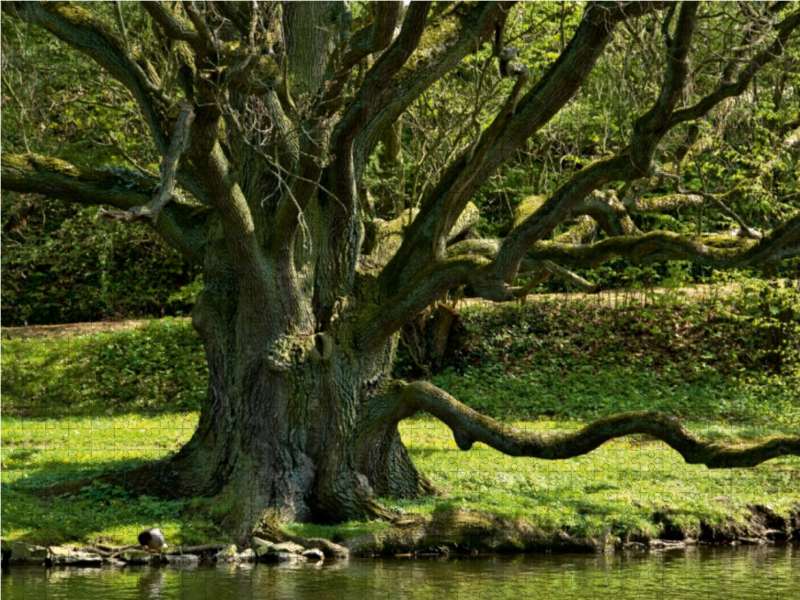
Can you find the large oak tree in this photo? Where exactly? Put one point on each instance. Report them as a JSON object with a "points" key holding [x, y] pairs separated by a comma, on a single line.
{"points": [[265, 132]]}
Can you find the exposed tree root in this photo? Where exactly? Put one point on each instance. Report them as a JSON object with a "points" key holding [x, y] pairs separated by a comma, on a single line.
{"points": [[470, 426]]}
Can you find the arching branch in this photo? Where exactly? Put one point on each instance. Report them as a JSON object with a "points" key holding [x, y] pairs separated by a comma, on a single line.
{"points": [[470, 426], [464, 176]]}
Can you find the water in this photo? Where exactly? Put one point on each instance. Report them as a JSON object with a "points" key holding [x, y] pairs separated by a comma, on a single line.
{"points": [[698, 573]]}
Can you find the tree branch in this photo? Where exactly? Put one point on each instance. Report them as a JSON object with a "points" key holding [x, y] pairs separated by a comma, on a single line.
{"points": [[449, 36], [169, 167], [661, 204], [374, 37], [78, 28], [612, 215], [745, 228], [714, 250], [570, 277], [728, 89], [464, 177], [427, 285], [358, 114], [556, 209], [174, 26], [470, 426], [635, 161], [183, 227], [648, 129]]}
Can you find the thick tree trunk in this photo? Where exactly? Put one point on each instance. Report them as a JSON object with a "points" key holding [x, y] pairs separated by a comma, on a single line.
{"points": [[300, 428]]}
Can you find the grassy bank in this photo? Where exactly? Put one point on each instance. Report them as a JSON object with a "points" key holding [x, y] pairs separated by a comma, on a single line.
{"points": [[619, 486], [75, 408]]}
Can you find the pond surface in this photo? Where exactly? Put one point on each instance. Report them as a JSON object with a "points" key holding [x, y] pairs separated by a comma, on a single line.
{"points": [[697, 573]]}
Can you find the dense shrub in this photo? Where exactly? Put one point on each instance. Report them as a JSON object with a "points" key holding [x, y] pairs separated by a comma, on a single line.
{"points": [[60, 266]]}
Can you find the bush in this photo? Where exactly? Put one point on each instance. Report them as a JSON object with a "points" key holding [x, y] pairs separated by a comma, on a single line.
{"points": [[61, 266]]}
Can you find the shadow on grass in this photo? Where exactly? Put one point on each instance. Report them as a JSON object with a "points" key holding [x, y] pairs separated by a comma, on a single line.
{"points": [[57, 502], [55, 478]]}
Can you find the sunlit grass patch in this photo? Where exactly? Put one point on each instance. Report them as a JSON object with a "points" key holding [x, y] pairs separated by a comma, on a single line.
{"points": [[41, 453], [616, 488], [77, 408]]}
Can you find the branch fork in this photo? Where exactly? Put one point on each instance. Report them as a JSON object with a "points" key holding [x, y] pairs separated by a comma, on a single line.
{"points": [[168, 168]]}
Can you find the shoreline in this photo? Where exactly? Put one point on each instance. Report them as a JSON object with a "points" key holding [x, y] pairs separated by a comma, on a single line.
{"points": [[443, 534]]}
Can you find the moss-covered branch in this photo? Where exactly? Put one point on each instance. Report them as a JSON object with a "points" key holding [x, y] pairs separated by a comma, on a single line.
{"points": [[713, 250], [719, 251], [383, 238], [182, 227], [660, 204], [469, 426]]}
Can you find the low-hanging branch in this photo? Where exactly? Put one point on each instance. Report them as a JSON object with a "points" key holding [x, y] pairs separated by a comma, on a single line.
{"points": [[714, 250], [182, 226], [470, 426], [475, 263]]}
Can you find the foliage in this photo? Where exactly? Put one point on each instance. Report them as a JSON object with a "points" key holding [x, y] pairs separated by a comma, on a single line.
{"points": [[157, 367], [59, 263], [712, 356], [61, 266]]}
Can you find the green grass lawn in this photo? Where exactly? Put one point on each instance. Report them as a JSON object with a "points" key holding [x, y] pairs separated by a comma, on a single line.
{"points": [[619, 486], [75, 408]]}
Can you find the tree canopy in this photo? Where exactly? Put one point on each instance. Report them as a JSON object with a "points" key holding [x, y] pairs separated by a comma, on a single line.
{"points": [[326, 166]]}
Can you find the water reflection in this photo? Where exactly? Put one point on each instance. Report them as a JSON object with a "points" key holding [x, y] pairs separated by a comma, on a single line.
{"points": [[707, 573]]}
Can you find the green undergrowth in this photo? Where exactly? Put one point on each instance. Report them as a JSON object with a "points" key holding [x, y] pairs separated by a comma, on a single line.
{"points": [[159, 367], [698, 358]]}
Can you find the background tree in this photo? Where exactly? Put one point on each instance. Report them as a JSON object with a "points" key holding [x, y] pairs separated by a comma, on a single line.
{"points": [[266, 118]]}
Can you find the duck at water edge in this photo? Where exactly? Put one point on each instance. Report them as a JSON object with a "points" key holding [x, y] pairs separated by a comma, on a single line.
{"points": [[152, 539]]}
